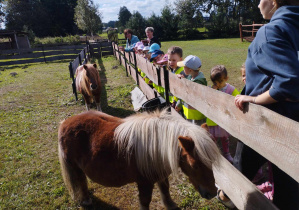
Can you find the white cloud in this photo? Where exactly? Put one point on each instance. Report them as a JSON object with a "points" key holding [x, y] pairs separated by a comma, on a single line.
{"points": [[110, 8]]}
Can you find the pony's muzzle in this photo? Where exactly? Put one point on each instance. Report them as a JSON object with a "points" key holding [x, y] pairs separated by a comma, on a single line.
{"points": [[93, 86]]}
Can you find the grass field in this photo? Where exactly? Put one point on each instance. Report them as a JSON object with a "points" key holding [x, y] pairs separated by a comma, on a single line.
{"points": [[40, 96]]}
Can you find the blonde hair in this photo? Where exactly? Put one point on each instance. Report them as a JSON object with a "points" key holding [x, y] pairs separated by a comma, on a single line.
{"points": [[153, 138]]}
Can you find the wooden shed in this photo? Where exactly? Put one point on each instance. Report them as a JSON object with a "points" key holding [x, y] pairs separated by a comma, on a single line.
{"points": [[13, 40]]}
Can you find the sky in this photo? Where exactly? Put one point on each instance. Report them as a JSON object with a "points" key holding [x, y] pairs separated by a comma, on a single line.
{"points": [[110, 8]]}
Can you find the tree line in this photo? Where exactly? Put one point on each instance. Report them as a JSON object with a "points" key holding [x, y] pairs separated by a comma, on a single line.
{"points": [[183, 19], [51, 17], [180, 20]]}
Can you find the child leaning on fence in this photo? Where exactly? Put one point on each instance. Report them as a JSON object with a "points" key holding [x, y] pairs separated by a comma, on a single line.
{"points": [[175, 54], [219, 78], [192, 65]]}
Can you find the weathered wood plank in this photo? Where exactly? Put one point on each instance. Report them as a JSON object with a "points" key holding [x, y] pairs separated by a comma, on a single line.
{"points": [[133, 72], [239, 189], [127, 56], [60, 57], [145, 88], [74, 47], [17, 51], [75, 64], [18, 62], [132, 61], [110, 48], [243, 193], [270, 134], [105, 44]]}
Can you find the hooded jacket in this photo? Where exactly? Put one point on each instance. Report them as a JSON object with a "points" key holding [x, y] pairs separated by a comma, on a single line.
{"points": [[273, 62], [130, 44]]}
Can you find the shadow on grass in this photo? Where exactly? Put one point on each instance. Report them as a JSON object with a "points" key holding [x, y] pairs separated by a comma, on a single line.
{"points": [[99, 204], [117, 112]]}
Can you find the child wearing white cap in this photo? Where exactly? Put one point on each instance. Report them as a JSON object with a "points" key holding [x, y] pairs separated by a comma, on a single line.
{"points": [[192, 65]]}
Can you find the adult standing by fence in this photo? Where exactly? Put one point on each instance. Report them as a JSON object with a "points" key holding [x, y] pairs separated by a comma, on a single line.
{"points": [[131, 40], [272, 80], [149, 31]]}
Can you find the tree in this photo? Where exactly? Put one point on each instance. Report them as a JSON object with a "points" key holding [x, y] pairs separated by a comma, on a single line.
{"points": [[123, 16], [2, 14], [187, 10], [225, 15], [137, 24], [87, 16], [44, 18], [111, 24], [155, 22], [169, 23]]}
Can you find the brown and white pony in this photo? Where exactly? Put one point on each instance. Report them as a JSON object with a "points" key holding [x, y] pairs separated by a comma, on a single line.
{"points": [[88, 83], [144, 148]]}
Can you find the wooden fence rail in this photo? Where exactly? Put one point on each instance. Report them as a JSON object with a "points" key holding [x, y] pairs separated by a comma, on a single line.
{"points": [[250, 29], [40, 54], [270, 134]]}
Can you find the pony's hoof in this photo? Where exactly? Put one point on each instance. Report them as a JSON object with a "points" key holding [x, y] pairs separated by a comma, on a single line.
{"points": [[87, 202]]}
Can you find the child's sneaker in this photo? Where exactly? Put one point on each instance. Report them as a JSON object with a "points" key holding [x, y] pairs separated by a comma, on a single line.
{"points": [[229, 157]]}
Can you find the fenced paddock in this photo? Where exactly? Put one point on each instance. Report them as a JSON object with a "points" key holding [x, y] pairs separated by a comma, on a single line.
{"points": [[268, 133], [39, 54]]}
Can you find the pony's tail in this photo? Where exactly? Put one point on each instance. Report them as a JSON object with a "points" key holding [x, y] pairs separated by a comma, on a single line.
{"points": [[74, 179]]}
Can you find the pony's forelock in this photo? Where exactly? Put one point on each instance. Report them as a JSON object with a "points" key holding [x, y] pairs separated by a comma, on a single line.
{"points": [[84, 80], [153, 138]]}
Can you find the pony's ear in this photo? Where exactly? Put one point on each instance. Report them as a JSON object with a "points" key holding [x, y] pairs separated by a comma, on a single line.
{"points": [[95, 65], [186, 143], [85, 67]]}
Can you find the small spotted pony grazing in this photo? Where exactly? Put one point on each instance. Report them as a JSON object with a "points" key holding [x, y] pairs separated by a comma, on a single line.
{"points": [[88, 83], [144, 148]]}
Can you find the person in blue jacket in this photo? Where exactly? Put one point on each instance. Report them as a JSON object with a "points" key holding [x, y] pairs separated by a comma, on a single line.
{"points": [[272, 80], [131, 40]]}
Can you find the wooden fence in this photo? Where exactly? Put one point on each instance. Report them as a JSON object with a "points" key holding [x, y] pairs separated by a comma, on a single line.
{"points": [[270, 134], [250, 29], [100, 49], [93, 49], [39, 54]]}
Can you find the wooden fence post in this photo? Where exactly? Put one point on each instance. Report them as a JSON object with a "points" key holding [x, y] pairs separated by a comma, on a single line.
{"points": [[88, 53], [241, 33], [136, 68], [80, 61], [100, 50], [73, 79], [119, 56], [252, 33], [44, 53], [126, 63], [166, 82]]}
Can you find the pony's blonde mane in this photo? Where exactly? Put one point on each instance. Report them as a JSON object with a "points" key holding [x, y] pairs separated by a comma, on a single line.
{"points": [[153, 138], [83, 79]]}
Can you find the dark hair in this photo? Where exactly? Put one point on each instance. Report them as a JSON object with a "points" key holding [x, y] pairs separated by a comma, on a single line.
{"points": [[127, 30], [175, 50], [218, 73], [280, 3]]}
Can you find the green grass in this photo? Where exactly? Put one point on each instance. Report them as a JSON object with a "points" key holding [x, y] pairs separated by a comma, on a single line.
{"points": [[40, 96]]}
